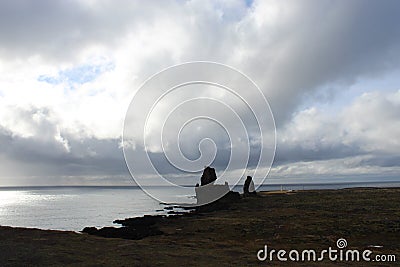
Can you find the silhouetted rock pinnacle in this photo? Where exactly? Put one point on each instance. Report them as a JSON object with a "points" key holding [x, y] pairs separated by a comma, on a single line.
{"points": [[209, 176]]}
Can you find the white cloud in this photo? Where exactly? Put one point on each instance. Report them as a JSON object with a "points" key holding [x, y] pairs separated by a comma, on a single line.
{"points": [[360, 139], [373, 122]]}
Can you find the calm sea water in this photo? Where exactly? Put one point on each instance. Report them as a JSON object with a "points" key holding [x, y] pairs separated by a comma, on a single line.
{"points": [[73, 208]]}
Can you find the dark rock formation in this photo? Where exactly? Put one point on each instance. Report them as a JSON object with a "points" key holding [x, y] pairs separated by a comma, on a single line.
{"points": [[133, 228], [246, 186], [208, 176], [140, 222], [123, 232], [140, 227], [224, 202]]}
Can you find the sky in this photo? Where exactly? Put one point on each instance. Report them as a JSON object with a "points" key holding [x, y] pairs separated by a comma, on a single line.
{"points": [[330, 71]]}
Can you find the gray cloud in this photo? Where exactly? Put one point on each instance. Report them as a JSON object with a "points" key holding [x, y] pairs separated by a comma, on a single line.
{"points": [[321, 43], [368, 128], [58, 30], [47, 154], [291, 49]]}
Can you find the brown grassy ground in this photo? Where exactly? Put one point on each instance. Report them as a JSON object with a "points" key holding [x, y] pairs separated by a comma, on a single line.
{"points": [[292, 220]]}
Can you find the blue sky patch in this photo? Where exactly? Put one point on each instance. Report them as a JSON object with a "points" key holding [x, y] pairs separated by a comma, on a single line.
{"points": [[79, 75], [249, 3]]}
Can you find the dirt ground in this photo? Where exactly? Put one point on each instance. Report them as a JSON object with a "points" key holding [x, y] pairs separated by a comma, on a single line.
{"points": [[367, 218]]}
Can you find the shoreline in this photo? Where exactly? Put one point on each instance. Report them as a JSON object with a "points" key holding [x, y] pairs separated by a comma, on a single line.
{"points": [[291, 219], [174, 209]]}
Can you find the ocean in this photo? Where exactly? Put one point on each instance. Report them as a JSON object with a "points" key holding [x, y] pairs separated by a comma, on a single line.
{"points": [[73, 208]]}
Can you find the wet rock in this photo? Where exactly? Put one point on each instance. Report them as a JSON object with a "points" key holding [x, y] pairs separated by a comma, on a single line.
{"points": [[123, 232], [132, 228], [145, 221], [89, 230]]}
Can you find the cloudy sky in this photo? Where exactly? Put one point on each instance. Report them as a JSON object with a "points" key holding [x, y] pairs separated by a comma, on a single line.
{"points": [[69, 69]]}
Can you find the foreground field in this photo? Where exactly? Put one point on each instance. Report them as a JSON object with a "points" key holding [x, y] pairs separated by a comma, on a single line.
{"points": [[366, 218]]}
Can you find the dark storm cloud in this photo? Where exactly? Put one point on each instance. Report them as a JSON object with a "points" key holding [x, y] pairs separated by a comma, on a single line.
{"points": [[58, 30], [81, 160], [322, 43], [50, 152], [290, 154], [382, 161]]}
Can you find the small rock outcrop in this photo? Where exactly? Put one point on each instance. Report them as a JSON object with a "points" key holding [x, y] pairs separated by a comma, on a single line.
{"points": [[133, 228]]}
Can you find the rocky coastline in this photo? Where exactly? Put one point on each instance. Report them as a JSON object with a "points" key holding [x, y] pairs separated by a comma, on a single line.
{"points": [[141, 227], [226, 235]]}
